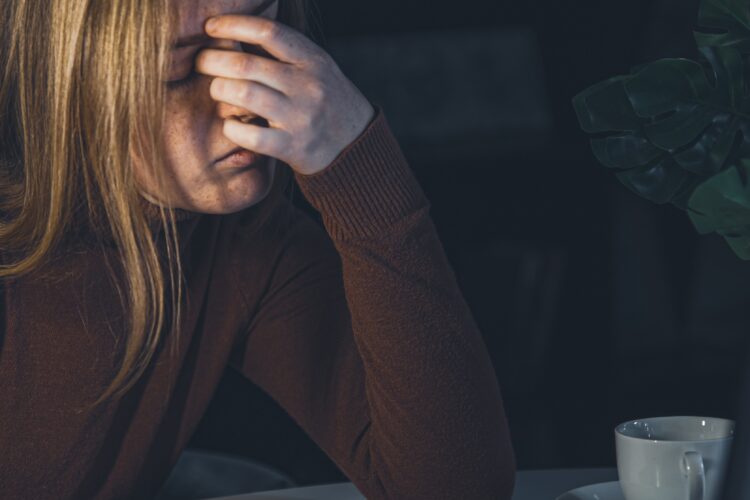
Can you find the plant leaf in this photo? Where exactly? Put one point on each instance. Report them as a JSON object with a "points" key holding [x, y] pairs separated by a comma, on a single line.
{"points": [[681, 103], [740, 244], [709, 153], [658, 183], [680, 199], [678, 130], [664, 85], [722, 203], [728, 67], [605, 107], [687, 115], [624, 151], [730, 16]]}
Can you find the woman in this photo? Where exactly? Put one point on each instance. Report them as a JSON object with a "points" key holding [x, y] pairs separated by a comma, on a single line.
{"points": [[139, 264]]}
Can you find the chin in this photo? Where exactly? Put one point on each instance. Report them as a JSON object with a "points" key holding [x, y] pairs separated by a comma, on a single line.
{"points": [[238, 191]]}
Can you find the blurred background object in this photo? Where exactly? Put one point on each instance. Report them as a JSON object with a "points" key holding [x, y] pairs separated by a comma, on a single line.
{"points": [[448, 94], [595, 305]]}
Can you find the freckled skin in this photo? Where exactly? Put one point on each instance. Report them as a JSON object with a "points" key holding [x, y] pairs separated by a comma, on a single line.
{"points": [[193, 129]]}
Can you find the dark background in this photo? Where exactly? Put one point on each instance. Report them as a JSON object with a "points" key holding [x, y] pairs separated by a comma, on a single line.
{"points": [[596, 306]]}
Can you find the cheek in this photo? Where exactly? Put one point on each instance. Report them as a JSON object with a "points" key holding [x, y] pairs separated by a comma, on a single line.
{"points": [[188, 103], [185, 127]]}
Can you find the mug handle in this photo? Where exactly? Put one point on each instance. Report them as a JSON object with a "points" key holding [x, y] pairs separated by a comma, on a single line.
{"points": [[692, 464]]}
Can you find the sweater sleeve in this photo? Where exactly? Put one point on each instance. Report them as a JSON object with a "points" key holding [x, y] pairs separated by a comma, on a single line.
{"points": [[364, 338]]}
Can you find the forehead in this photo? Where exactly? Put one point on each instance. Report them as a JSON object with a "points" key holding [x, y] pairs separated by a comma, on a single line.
{"points": [[191, 14]]}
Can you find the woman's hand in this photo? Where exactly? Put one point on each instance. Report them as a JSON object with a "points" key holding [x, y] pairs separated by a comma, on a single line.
{"points": [[313, 110]]}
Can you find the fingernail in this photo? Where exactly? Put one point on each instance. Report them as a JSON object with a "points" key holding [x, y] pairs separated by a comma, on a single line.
{"points": [[211, 24]]}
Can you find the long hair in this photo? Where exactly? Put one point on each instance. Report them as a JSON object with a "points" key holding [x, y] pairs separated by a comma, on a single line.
{"points": [[81, 89]]}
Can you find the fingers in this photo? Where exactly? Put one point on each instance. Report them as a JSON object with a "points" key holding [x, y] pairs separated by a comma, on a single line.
{"points": [[266, 141], [280, 40], [252, 96], [241, 66]]}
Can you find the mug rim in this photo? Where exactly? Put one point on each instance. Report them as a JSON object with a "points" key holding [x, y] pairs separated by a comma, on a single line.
{"points": [[619, 428]]}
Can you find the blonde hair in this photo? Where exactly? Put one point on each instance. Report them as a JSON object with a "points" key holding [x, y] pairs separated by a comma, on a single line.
{"points": [[82, 88]]}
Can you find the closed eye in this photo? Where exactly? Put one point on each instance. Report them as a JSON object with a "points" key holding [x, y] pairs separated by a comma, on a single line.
{"points": [[184, 82], [192, 77]]}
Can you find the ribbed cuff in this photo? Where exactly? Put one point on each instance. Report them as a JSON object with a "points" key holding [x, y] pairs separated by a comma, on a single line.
{"points": [[367, 188]]}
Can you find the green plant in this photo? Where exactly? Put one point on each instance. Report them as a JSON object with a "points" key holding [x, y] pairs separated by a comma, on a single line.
{"points": [[678, 131]]}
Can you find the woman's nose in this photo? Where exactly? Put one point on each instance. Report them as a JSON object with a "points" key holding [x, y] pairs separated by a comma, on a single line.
{"points": [[225, 110]]}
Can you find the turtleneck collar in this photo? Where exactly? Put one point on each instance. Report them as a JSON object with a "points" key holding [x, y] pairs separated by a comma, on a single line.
{"points": [[85, 233]]}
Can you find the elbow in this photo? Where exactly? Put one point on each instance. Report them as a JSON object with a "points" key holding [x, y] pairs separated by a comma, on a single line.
{"points": [[494, 483], [487, 475]]}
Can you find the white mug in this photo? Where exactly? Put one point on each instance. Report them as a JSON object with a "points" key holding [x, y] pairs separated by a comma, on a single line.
{"points": [[673, 458]]}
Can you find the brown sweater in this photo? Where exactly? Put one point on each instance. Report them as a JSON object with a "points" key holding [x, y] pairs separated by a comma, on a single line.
{"points": [[357, 329]]}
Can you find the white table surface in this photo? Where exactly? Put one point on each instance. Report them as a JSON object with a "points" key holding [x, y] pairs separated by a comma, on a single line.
{"points": [[530, 485]]}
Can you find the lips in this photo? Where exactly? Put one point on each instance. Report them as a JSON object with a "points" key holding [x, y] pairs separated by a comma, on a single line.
{"points": [[232, 152], [239, 158]]}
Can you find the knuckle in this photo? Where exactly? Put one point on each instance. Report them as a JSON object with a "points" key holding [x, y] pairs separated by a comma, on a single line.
{"points": [[319, 61], [270, 31], [317, 91], [304, 122], [323, 59], [289, 73], [245, 92], [242, 65], [323, 71]]}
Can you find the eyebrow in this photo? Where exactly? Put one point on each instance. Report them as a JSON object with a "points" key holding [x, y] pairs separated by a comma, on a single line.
{"points": [[199, 38]]}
